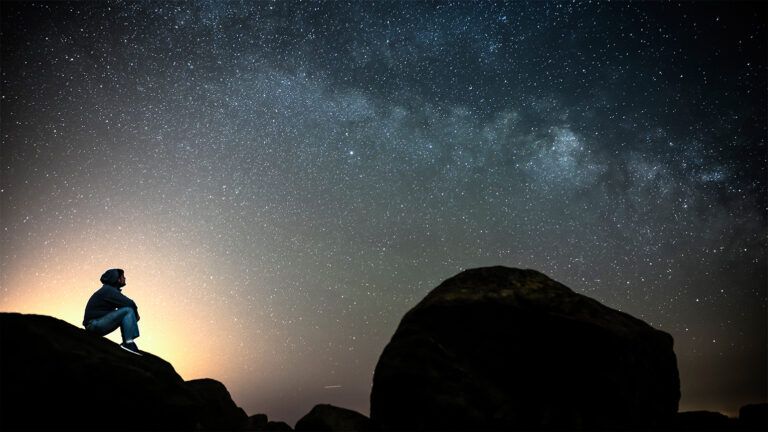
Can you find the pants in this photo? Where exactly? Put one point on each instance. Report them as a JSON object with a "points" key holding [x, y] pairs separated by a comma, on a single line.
{"points": [[125, 318]]}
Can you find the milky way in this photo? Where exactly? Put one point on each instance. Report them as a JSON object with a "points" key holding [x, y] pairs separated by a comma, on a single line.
{"points": [[283, 181]]}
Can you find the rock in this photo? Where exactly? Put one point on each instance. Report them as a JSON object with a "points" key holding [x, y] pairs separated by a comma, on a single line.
{"points": [[754, 416], [331, 419], [703, 420], [219, 412], [257, 422], [278, 427], [505, 349], [57, 376]]}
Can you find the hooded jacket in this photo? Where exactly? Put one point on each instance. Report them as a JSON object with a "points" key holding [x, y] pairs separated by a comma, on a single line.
{"points": [[107, 298]]}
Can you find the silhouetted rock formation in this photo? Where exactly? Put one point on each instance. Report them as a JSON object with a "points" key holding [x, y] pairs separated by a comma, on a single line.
{"points": [[703, 421], [754, 416], [260, 422], [218, 412], [502, 348], [329, 418], [57, 376], [257, 422], [278, 427]]}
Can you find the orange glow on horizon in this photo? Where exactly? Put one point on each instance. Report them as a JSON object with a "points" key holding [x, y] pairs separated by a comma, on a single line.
{"points": [[184, 326]]}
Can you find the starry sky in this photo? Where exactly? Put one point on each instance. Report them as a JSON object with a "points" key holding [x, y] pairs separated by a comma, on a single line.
{"points": [[282, 181]]}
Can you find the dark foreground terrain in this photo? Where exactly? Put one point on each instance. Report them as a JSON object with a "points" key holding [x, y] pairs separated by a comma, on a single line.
{"points": [[490, 349]]}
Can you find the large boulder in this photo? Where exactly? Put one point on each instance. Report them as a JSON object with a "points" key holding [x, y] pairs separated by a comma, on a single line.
{"points": [[503, 348], [56, 376], [329, 418]]}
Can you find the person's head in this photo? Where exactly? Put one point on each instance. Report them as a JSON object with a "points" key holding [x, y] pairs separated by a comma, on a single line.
{"points": [[114, 277]]}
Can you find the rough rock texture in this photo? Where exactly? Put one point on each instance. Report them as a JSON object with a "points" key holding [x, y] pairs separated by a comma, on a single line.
{"points": [[331, 418], [503, 348], [57, 376]]}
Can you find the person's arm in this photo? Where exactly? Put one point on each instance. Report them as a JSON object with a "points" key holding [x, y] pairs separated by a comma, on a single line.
{"points": [[120, 300]]}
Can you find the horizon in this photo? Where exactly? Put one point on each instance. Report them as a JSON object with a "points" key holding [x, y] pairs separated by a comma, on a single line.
{"points": [[282, 182]]}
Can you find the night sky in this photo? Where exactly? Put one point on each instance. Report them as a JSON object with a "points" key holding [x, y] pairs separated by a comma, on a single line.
{"points": [[282, 181]]}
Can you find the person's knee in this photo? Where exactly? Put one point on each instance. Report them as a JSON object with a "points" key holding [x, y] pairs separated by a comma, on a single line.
{"points": [[127, 311]]}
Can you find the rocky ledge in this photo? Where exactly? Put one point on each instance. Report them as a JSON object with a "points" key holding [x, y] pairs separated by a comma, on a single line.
{"points": [[489, 349], [57, 376]]}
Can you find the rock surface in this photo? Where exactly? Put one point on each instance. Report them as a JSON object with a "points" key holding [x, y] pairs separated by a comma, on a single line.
{"points": [[502, 348], [278, 426], [257, 422], [260, 422], [754, 416], [219, 411], [57, 376], [703, 421], [329, 418]]}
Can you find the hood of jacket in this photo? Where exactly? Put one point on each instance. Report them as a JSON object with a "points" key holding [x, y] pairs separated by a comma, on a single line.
{"points": [[111, 276]]}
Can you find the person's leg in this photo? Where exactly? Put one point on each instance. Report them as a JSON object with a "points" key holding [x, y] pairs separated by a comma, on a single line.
{"points": [[129, 327], [107, 323], [125, 318]]}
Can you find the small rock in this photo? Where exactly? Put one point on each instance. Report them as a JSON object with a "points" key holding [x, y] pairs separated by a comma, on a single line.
{"points": [[329, 418], [278, 427], [257, 422], [219, 411]]}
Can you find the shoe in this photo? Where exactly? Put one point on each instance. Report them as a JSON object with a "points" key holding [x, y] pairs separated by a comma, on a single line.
{"points": [[130, 347]]}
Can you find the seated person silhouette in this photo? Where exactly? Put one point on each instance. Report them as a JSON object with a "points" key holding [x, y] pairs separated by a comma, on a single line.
{"points": [[108, 308]]}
